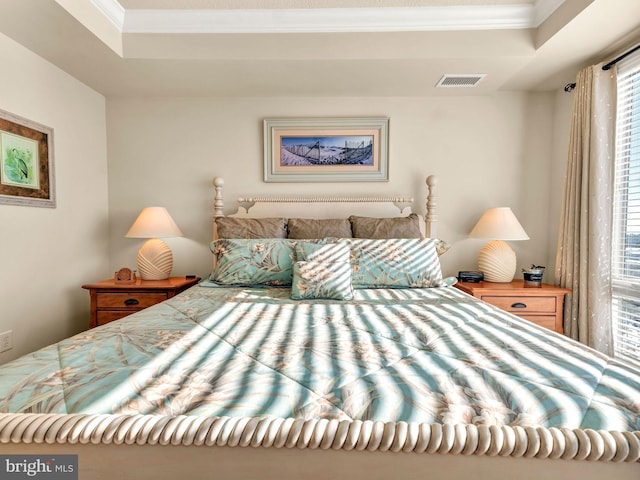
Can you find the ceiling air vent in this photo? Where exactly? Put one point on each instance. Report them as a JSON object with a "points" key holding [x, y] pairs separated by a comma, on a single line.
{"points": [[449, 80]]}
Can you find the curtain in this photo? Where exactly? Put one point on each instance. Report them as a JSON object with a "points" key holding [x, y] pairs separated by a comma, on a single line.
{"points": [[583, 259]]}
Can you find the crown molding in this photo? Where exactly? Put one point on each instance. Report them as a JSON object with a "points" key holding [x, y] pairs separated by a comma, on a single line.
{"points": [[327, 20], [330, 20], [112, 10]]}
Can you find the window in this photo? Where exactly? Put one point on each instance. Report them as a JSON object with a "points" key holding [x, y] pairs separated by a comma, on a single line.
{"points": [[626, 210]]}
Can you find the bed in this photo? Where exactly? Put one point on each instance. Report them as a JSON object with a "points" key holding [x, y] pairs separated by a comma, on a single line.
{"points": [[359, 361]]}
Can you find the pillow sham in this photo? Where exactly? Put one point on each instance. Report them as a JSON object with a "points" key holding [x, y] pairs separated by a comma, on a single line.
{"points": [[442, 247], [321, 280], [399, 263], [391, 227], [318, 228], [232, 227], [267, 261]]}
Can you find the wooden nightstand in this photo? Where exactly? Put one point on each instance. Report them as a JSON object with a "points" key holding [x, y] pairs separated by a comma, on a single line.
{"points": [[541, 305], [111, 301]]}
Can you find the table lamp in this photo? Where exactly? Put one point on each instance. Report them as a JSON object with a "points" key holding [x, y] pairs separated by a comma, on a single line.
{"points": [[155, 259], [497, 260]]}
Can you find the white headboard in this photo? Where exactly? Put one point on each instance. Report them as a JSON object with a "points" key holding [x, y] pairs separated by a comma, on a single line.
{"points": [[327, 207]]}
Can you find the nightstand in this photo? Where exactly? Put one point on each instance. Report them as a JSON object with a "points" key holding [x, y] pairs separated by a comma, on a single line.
{"points": [[111, 301], [542, 305]]}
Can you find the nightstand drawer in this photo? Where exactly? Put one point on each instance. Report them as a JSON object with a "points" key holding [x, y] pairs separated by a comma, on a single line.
{"points": [[523, 304], [106, 316], [547, 321], [132, 301]]}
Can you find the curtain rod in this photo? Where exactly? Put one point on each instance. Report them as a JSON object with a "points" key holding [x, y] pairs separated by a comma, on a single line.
{"points": [[621, 57], [570, 86]]}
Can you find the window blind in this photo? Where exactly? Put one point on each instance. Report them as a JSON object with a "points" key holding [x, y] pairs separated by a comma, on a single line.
{"points": [[626, 207]]}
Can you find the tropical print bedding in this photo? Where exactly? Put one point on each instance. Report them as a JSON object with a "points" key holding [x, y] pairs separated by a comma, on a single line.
{"points": [[432, 355]]}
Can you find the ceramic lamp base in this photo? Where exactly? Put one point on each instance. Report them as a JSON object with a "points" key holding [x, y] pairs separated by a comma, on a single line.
{"points": [[497, 261], [155, 260]]}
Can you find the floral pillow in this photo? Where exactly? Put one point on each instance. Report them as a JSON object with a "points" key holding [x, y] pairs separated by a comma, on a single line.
{"points": [[266, 261], [326, 250], [442, 247], [322, 271], [399, 262], [314, 280]]}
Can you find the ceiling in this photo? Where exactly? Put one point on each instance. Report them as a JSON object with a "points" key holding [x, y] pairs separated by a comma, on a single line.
{"points": [[320, 47]]}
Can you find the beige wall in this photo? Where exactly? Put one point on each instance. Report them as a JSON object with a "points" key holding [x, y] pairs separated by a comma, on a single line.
{"points": [[47, 254], [503, 149], [487, 151]]}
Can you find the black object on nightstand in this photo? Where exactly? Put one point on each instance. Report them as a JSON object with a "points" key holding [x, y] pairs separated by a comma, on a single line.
{"points": [[471, 276]]}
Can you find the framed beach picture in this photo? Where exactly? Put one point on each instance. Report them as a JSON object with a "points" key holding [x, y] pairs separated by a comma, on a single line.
{"points": [[326, 150], [26, 162]]}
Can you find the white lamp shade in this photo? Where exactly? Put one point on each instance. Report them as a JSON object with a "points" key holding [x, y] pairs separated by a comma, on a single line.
{"points": [[499, 224], [497, 260], [154, 222], [155, 259]]}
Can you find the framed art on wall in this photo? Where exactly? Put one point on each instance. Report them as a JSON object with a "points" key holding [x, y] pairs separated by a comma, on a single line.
{"points": [[326, 150], [26, 162]]}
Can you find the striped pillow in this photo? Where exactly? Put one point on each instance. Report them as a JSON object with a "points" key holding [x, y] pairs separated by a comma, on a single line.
{"points": [[322, 271]]}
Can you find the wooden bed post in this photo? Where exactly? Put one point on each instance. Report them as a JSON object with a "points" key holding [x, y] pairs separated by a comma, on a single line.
{"points": [[431, 217], [218, 202]]}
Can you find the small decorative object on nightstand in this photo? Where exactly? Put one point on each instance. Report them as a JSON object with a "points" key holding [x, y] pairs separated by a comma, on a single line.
{"points": [[533, 275], [125, 276], [112, 300], [470, 276], [542, 305]]}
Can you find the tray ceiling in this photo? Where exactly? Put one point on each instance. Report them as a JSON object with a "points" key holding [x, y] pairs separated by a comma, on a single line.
{"points": [[320, 47]]}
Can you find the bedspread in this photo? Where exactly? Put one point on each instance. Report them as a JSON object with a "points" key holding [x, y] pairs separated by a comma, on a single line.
{"points": [[431, 355]]}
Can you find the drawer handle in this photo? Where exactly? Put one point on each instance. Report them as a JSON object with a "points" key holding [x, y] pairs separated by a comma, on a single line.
{"points": [[131, 301], [519, 305]]}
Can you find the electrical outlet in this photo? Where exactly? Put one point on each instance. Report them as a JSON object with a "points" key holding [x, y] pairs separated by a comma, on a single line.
{"points": [[6, 341]]}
